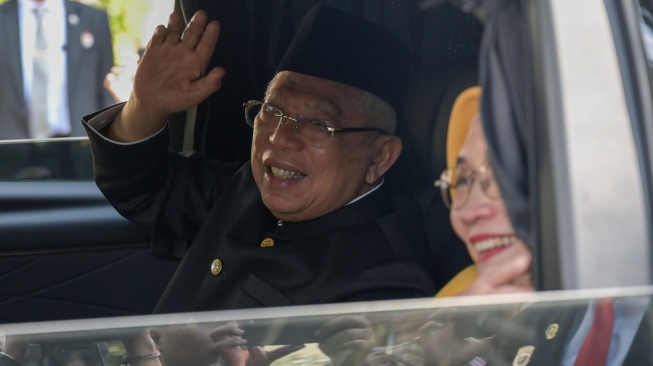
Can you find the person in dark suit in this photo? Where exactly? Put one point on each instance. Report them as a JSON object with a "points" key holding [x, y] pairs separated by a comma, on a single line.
{"points": [[308, 220], [80, 55]]}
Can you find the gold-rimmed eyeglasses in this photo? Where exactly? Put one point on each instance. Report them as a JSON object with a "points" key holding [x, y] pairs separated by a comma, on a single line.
{"points": [[456, 184], [317, 131]]}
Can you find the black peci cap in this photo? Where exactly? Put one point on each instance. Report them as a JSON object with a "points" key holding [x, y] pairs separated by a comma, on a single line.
{"points": [[341, 47]]}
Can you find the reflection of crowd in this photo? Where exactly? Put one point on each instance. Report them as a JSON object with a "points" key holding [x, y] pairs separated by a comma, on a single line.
{"points": [[29, 353]]}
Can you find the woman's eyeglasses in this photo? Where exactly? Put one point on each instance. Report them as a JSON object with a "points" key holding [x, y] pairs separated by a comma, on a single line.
{"points": [[456, 184]]}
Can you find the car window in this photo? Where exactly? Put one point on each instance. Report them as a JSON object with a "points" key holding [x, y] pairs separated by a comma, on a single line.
{"points": [[54, 159], [471, 331], [131, 24], [69, 159]]}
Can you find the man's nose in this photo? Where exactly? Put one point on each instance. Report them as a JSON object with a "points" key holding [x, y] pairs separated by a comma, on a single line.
{"points": [[285, 135]]}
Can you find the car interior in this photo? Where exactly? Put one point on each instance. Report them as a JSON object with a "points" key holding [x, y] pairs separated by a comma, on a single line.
{"points": [[67, 255], [89, 249], [444, 42]]}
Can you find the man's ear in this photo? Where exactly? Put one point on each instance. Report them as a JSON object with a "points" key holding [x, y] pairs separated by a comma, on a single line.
{"points": [[388, 148]]}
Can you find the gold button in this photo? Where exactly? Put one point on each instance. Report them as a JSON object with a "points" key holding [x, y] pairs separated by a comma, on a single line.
{"points": [[267, 242], [216, 267], [551, 331], [523, 356]]}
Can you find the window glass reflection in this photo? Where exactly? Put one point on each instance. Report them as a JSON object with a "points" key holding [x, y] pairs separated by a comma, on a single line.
{"points": [[62, 60], [548, 329], [55, 159]]}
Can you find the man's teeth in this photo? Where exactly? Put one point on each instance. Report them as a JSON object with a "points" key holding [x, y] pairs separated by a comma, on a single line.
{"points": [[286, 174], [493, 243]]}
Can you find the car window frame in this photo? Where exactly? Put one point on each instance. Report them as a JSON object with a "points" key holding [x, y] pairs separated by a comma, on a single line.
{"points": [[568, 256]]}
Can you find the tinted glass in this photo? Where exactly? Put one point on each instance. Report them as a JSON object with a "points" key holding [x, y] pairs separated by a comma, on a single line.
{"points": [[54, 159], [407, 332]]}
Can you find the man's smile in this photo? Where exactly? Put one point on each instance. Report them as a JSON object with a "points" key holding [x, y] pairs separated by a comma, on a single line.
{"points": [[285, 173]]}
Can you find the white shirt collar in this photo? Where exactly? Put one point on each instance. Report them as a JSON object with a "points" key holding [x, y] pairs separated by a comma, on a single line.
{"points": [[366, 193], [51, 5]]}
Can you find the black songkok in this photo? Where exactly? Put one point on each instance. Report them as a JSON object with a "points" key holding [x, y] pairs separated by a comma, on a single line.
{"points": [[338, 46]]}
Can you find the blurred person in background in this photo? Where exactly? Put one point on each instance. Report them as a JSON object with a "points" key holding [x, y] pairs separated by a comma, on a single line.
{"points": [[56, 55]]}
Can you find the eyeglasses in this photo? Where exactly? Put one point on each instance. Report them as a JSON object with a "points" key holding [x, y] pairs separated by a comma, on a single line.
{"points": [[317, 132], [456, 184]]}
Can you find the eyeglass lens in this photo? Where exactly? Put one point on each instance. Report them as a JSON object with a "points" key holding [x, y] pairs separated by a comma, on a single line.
{"points": [[265, 116], [462, 182]]}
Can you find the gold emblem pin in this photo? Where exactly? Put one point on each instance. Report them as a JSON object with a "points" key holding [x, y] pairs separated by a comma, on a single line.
{"points": [[267, 242], [551, 331], [216, 267], [523, 356]]}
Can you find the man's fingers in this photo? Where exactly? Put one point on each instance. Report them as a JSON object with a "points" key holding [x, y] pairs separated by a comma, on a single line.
{"points": [[230, 329], [175, 28], [227, 343], [472, 348], [207, 43], [194, 30], [202, 88], [437, 332], [443, 315], [348, 339], [283, 351], [340, 323]]}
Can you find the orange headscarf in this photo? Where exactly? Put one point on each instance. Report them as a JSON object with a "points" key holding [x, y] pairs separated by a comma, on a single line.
{"points": [[465, 108]]}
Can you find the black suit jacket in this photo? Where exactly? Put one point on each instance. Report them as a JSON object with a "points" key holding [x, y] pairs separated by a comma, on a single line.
{"points": [[367, 250], [86, 67], [548, 328]]}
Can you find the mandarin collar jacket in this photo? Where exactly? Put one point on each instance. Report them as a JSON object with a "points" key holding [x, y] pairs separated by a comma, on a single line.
{"points": [[368, 250]]}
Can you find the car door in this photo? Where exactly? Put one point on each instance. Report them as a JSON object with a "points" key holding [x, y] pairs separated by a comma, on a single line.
{"points": [[64, 251]]}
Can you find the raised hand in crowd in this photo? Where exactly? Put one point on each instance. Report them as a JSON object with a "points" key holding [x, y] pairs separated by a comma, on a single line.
{"points": [[347, 339]]}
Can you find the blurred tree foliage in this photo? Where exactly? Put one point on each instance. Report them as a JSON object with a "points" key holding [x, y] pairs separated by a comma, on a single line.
{"points": [[132, 22], [127, 17]]}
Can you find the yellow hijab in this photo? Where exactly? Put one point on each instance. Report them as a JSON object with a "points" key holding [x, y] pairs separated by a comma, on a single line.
{"points": [[464, 109]]}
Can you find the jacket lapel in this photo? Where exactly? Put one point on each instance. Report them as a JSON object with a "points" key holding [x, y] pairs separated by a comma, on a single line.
{"points": [[11, 35], [73, 46], [640, 352]]}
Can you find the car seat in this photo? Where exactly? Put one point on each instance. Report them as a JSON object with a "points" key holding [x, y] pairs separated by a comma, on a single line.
{"points": [[447, 65]]}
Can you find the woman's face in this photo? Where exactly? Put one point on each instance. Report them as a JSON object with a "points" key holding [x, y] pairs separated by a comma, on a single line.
{"points": [[482, 222]]}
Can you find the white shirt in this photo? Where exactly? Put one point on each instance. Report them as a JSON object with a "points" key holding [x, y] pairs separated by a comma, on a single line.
{"points": [[54, 23]]}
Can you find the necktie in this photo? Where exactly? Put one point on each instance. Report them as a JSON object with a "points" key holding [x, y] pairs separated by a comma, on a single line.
{"points": [[594, 350], [38, 110]]}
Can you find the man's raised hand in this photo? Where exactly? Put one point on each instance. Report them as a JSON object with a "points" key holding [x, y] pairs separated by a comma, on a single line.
{"points": [[170, 77]]}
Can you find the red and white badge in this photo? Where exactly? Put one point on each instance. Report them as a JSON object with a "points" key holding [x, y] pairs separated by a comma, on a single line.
{"points": [[87, 39]]}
